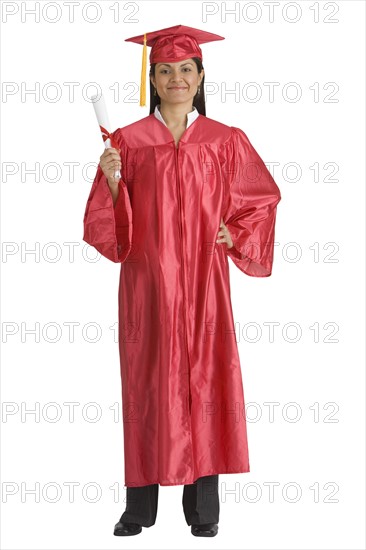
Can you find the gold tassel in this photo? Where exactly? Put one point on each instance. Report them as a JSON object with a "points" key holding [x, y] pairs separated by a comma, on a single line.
{"points": [[143, 75]]}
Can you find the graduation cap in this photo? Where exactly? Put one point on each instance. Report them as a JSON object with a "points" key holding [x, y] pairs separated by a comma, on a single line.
{"points": [[170, 45]]}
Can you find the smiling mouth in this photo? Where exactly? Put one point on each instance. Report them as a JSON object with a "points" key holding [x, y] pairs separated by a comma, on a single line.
{"points": [[177, 88]]}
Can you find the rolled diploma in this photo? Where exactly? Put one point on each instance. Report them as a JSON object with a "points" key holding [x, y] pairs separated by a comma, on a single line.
{"points": [[103, 120]]}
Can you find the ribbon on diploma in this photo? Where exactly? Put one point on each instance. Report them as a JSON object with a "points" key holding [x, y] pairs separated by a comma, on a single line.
{"points": [[103, 123], [106, 135]]}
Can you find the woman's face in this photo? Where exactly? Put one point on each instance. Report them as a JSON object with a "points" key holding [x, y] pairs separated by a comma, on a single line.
{"points": [[177, 82]]}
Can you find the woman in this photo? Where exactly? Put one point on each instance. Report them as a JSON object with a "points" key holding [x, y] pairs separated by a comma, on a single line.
{"points": [[193, 192]]}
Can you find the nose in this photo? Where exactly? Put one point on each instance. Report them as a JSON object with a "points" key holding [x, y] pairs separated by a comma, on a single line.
{"points": [[176, 77]]}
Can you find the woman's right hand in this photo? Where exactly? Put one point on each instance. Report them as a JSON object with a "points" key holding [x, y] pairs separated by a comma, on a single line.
{"points": [[110, 161]]}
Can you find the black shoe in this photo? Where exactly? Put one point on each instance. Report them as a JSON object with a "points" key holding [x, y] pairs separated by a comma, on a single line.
{"points": [[204, 530], [124, 529]]}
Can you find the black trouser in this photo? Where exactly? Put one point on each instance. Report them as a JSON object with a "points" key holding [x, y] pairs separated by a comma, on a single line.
{"points": [[200, 502]]}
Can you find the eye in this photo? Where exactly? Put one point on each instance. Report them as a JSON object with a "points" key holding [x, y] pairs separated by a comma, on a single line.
{"points": [[186, 68], [163, 70]]}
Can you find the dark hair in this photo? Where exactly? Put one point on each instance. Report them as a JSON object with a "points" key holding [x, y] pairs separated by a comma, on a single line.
{"points": [[198, 100]]}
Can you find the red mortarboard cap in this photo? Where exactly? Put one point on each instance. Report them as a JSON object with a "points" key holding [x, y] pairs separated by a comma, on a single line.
{"points": [[170, 45]]}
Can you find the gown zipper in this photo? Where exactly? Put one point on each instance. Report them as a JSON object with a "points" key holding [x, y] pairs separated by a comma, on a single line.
{"points": [[183, 274]]}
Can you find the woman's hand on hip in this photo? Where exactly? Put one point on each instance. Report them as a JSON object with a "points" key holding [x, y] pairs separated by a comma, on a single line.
{"points": [[224, 233]]}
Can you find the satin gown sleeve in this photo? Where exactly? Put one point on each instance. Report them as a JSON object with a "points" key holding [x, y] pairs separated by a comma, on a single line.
{"points": [[250, 209], [108, 227]]}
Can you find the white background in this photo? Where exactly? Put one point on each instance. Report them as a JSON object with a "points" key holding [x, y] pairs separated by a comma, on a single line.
{"points": [[316, 286]]}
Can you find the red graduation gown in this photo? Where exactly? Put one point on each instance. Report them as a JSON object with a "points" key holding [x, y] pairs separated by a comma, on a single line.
{"points": [[182, 390]]}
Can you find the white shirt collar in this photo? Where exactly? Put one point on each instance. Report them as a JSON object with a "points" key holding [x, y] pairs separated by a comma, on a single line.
{"points": [[191, 117]]}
